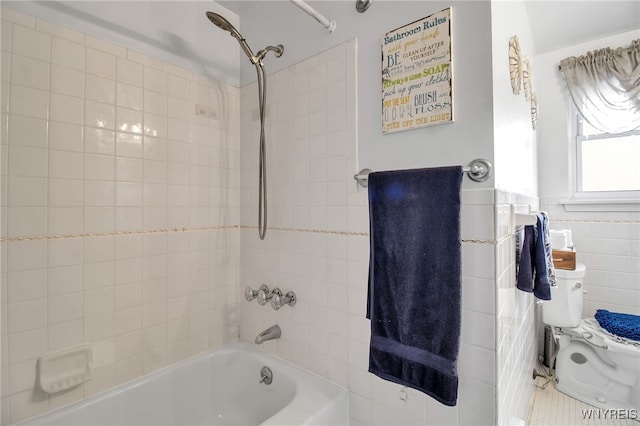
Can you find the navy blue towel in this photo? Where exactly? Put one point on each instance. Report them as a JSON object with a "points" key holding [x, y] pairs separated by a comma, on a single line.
{"points": [[524, 279], [535, 266], [623, 325], [415, 279]]}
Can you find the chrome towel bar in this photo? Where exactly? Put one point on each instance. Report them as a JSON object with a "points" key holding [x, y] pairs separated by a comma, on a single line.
{"points": [[478, 170]]}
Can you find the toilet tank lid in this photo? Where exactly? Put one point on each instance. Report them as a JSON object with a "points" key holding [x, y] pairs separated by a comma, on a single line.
{"points": [[569, 274]]}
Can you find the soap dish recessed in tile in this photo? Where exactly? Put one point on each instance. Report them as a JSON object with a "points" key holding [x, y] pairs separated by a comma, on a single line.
{"points": [[65, 369]]}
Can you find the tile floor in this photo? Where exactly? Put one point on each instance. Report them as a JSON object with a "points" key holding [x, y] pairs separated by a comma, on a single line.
{"points": [[553, 408]]}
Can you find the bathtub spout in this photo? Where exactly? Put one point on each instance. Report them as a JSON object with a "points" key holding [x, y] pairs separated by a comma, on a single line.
{"points": [[270, 333]]}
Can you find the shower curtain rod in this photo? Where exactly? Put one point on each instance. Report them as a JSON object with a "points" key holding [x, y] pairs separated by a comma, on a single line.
{"points": [[330, 25]]}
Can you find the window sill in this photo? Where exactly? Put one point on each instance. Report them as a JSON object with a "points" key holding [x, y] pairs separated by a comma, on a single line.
{"points": [[601, 205]]}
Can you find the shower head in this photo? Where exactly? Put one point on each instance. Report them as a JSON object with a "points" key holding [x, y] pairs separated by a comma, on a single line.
{"points": [[225, 25]]}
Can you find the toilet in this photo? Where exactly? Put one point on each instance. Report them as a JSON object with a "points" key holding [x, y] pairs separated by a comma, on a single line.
{"points": [[592, 365]]}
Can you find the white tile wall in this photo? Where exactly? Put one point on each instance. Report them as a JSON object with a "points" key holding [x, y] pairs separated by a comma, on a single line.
{"points": [[516, 318], [608, 244], [611, 253], [321, 251], [100, 139]]}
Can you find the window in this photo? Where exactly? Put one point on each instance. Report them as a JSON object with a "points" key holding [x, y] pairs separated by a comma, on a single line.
{"points": [[606, 165], [603, 85]]}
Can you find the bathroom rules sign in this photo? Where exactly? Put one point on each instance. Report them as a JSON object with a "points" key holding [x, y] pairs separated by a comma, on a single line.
{"points": [[416, 74]]}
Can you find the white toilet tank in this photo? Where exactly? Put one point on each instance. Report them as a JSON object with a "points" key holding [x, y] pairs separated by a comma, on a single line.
{"points": [[565, 307]]}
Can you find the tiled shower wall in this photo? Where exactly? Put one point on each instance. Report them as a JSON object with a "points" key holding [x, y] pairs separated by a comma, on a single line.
{"points": [[120, 210], [318, 246]]}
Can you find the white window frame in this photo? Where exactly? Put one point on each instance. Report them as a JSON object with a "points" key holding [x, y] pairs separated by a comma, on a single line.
{"points": [[593, 200]]}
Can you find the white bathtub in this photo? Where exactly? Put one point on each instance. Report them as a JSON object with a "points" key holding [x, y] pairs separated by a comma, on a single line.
{"points": [[217, 388]]}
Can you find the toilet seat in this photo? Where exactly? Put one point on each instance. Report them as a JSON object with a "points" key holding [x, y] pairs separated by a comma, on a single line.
{"points": [[589, 330]]}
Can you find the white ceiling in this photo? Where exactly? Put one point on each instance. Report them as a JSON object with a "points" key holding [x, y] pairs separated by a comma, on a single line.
{"points": [[554, 24], [178, 30], [558, 24]]}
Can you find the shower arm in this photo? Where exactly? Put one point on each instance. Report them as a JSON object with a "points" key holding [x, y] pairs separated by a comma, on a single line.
{"points": [[277, 50], [330, 25]]}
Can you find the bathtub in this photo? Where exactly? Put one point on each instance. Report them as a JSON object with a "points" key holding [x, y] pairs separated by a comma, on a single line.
{"points": [[221, 387]]}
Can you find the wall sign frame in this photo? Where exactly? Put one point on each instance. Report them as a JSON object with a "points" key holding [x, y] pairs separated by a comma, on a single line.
{"points": [[417, 87]]}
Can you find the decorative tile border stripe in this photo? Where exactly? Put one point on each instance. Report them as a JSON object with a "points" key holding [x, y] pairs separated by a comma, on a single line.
{"points": [[595, 221], [312, 231], [352, 233], [492, 242], [116, 233], [204, 228]]}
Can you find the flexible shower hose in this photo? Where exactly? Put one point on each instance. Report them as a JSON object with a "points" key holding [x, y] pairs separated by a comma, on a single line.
{"points": [[262, 179]]}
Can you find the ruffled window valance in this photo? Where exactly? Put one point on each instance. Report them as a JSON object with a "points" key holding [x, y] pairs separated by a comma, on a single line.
{"points": [[605, 86]]}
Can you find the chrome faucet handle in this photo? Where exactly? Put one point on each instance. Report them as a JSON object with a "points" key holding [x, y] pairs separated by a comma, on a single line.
{"points": [[250, 294], [278, 301], [264, 295]]}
